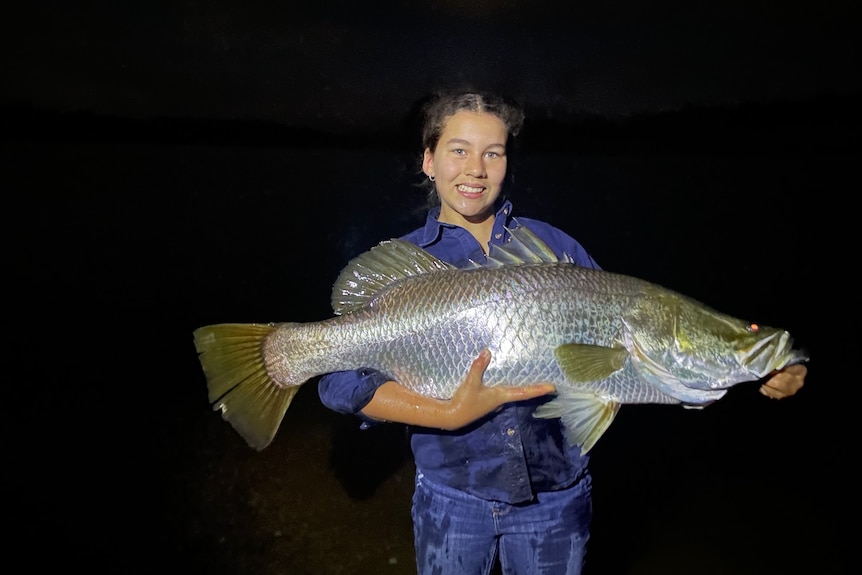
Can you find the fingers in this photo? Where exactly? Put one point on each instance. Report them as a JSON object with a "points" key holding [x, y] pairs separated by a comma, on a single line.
{"points": [[507, 394], [797, 369], [477, 369], [770, 392], [785, 383], [529, 392], [480, 364]]}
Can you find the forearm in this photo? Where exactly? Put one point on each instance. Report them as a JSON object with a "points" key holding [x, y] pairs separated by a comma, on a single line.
{"points": [[395, 403], [472, 400]]}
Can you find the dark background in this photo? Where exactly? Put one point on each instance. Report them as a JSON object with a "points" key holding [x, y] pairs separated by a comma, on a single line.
{"points": [[170, 165]]}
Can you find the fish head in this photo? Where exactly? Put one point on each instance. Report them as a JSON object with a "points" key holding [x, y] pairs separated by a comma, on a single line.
{"points": [[698, 347]]}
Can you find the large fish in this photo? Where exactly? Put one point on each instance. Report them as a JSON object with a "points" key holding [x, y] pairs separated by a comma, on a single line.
{"points": [[602, 338]]}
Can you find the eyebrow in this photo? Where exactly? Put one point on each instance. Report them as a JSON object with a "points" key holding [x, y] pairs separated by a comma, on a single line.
{"points": [[467, 142]]}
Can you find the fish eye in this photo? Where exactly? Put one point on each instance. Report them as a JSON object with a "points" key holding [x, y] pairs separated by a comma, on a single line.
{"points": [[753, 328]]}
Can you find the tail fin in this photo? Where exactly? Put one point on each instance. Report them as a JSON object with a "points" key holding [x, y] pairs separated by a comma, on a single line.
{"points": [[232, 359]]}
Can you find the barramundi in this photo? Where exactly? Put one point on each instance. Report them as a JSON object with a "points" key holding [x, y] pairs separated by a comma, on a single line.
{"points": [[604, 339]]}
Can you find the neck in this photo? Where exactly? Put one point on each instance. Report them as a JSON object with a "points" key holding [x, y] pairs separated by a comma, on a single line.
{"points": [[480, 227]]}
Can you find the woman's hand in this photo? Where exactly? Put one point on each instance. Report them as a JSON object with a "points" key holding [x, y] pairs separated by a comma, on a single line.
{"points": [[473, 399], [785, 382]]}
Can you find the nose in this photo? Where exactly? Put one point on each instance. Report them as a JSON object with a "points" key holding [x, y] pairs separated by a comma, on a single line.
{"points": [[475, 167]]}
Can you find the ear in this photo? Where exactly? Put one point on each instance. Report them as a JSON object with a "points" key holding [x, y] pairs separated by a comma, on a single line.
{"points": [[428, 162]]}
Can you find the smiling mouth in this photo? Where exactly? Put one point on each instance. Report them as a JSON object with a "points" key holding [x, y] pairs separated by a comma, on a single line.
{"points": [[464, 188]]}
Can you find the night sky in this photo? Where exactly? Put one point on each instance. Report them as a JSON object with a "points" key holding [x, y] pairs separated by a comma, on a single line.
{"points": [[173, 164], [343, 66]]}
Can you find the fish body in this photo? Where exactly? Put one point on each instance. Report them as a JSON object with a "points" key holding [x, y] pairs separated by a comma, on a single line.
{"points": [[603, 339]]}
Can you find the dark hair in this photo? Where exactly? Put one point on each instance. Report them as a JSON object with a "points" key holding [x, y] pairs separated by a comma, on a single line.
{"points": [[436, 110]]}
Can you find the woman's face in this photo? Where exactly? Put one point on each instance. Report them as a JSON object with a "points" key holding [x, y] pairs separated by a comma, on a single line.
{"points": [[469, 166]]}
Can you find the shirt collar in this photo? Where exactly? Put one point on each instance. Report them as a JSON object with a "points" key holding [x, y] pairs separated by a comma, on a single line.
{"points": [[434, 228]]}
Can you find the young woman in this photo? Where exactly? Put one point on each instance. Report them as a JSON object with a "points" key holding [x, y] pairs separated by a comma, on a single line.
{"points": [[491, 480]]}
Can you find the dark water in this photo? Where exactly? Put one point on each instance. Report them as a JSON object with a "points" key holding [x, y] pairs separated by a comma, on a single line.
{"points": [[121, 246]]}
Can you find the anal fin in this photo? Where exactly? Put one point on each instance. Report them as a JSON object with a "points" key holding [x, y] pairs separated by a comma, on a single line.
{"points": [[585, 416]]}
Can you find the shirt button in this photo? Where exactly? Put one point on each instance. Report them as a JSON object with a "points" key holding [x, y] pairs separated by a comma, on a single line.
{"points": [[510, 432], [498, 236]]}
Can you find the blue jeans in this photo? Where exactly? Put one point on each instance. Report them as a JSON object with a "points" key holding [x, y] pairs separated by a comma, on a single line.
{"points": [[457, 533]]}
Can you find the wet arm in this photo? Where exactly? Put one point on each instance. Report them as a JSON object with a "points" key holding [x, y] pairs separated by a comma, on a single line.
{"points": [[472, 400]]}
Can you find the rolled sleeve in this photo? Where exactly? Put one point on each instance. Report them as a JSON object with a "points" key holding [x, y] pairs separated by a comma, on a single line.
{"points": [[350, 391]]}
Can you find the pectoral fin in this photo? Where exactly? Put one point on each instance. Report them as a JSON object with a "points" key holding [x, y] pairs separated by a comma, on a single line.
{"points": [[585, 416], [582, 362]]}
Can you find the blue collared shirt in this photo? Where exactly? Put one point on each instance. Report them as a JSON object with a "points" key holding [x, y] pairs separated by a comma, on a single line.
{"points": [[508, 455]]}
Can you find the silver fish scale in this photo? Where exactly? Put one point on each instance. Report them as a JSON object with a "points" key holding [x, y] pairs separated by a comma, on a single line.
{"points": [[425, 331]]}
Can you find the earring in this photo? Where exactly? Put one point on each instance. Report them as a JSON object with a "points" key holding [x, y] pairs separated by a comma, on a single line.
{"points": [[431, 178]]}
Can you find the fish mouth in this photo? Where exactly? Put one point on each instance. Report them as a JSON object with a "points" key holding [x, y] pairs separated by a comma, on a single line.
{"points": [[772, 353]]}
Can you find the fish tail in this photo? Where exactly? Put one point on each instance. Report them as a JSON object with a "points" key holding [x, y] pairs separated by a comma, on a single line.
{"points": [[237, 380]]}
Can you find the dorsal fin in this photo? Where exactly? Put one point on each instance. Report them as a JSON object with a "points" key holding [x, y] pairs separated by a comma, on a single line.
{"points": [[524, 247], [389, 261], [392, 260]]}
